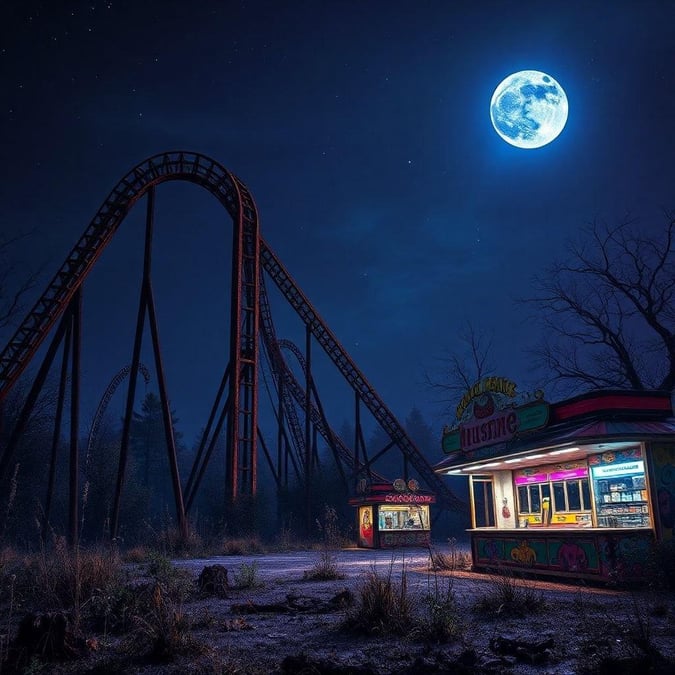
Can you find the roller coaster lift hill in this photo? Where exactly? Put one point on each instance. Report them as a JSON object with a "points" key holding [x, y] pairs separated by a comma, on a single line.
{"points": [[57, 315]]}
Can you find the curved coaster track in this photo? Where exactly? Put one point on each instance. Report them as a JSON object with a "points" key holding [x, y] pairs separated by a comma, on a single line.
{"points": [[234, 413]]}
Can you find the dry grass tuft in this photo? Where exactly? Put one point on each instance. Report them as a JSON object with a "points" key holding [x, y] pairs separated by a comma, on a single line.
{"points": [[509, 596], [137, 554], [66, 580], [326, 567], [161, 628], [456, 559], [383, 605], [242, 546]]}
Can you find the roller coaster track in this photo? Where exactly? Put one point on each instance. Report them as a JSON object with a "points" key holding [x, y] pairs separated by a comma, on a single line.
{"points": [[236, 199], [291, 390], [344, 363], [250, 254], [343, 452], [280, 374], [105, 400]]}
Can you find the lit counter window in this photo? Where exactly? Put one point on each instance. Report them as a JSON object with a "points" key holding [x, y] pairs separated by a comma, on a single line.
{"points": [[620, 489], [554, 495], [393, 514], [404, 517]]}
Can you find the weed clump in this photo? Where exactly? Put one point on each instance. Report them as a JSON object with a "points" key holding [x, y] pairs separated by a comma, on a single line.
{"points": [[326, 567], [242, 546], [441, 620], [247, 576], [383, 605], [455, 559], [509, 596], [62, 579], [161, 630]]}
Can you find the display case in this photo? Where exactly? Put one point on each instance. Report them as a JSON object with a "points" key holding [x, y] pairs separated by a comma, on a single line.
{"points": [[620, 489]]}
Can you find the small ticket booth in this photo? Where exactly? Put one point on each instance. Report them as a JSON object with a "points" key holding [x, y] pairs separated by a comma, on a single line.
{"points": [[393, 514], [578, 488]]}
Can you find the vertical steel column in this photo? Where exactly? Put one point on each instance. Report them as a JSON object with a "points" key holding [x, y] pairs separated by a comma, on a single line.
{"points": [[63, 381], [241, 454], [357, 426], [131, 392], [164, 398], [166, 414], [280, 440], [33, 394], [76, 314], [232, 435], [308, 438]]}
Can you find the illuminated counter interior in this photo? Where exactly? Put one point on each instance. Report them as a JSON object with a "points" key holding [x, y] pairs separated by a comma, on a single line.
{"points": [[391, 515]]}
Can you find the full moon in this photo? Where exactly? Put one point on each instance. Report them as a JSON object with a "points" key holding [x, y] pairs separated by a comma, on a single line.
{"points": [[528, 109]]}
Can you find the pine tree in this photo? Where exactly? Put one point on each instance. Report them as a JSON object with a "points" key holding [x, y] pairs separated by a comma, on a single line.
{"points": [[149, 447]]}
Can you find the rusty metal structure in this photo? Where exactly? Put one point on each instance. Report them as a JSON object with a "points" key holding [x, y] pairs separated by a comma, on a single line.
{"points": [[234, 413]]}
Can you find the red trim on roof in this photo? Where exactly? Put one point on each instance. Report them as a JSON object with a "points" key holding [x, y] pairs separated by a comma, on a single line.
{"points": [[636, 402]]}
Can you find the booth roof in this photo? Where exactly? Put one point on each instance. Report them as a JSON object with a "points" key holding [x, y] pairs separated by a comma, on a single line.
{"points": [[594, 431]]}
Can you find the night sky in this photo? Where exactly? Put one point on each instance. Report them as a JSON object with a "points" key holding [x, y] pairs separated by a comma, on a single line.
{"points": [[362, 130]]}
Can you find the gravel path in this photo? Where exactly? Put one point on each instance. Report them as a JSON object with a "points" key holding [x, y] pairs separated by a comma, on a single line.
{"points": [[585, 627]]}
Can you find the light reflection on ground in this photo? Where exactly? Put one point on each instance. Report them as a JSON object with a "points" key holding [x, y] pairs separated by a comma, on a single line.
{"points": [[356, 562]]}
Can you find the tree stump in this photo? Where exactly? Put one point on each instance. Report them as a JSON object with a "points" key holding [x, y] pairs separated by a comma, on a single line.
{"points": [[213, 580]]}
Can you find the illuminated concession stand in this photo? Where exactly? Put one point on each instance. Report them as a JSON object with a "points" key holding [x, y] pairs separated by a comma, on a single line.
{"points": [[393, 514], [581, 488]]}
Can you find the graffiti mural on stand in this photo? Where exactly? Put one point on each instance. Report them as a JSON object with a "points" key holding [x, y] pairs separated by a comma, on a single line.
{"points": [[609, 556], [663, 458]]}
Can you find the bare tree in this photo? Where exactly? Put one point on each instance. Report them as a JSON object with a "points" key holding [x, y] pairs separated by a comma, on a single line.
{"points": [[607, 312], [460, 370], [12, 288]]}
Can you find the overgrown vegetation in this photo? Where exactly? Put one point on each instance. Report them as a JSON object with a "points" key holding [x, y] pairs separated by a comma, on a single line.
{"points": [[162, 630], [507, 595], [383, 604], [148, 611], [60, 579], [247, 576], [455, 559], [441, 619], [242, 546], [59, 595], [327, 567]]}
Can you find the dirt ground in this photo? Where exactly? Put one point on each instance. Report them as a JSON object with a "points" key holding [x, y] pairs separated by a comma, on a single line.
{"points": [[288, 624], [582, 628]]}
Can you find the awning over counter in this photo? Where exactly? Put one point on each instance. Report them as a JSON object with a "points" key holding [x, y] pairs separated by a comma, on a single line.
{"points": [[586, 432]]}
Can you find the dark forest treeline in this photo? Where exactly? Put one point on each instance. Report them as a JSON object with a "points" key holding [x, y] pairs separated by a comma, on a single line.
{"points": [[147, 511]]}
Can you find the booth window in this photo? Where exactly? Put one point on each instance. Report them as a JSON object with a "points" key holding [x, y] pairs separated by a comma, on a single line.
{"points": [[413, 517], [554, 489], [482, 494], [572, 495], [568, 495], [530, 497]]}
